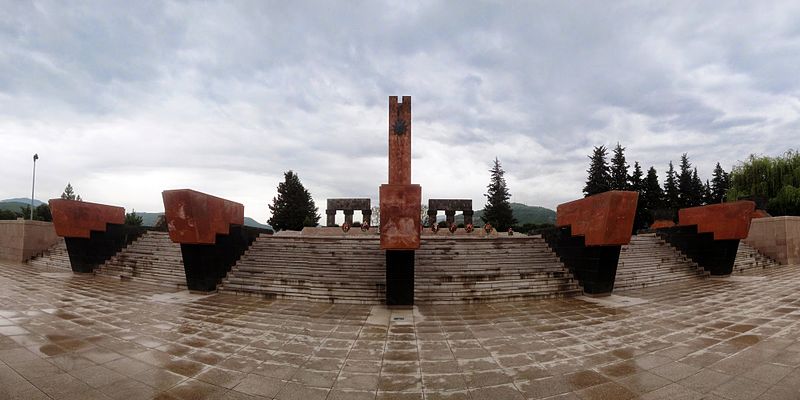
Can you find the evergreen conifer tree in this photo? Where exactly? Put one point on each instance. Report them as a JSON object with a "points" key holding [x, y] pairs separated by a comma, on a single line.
{"points": [[685, 184], [719, 185], [698, 190], [293, 208], [708, 194], [652, 194], [619, 169], [637, 184], [69, 193], [599, 179], [671, 196], [497, 210]]}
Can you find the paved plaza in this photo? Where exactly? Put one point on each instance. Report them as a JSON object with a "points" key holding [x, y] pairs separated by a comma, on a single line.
{"points": [[67, 336]]}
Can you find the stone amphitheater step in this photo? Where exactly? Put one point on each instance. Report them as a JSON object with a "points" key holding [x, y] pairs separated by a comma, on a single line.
{"points": [[352, 270], [152, 258], [469, 270], [650, 261], [749, 260], [54, 257]]}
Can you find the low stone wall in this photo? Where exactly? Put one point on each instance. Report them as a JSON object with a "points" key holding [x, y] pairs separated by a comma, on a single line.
{"points": [[20, 239], [777, 237]]}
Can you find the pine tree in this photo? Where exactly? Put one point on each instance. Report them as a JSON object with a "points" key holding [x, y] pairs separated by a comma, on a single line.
{"points": [[698, 191], [69, 193], [599, 179], [132, 219], [685, 184], [497, 210], [671, 196], [652, 194], [293, 208], [636, 184], [708, 194], [719, 185], [619, 169]]}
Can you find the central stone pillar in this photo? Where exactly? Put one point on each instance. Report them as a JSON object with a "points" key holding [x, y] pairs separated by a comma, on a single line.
{"points": [[331, 217], [400, 208], [450, 217], [348, 217], [468, 217]]}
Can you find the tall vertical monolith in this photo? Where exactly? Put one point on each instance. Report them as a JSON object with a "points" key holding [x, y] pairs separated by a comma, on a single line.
{"points": [[400, 202]]}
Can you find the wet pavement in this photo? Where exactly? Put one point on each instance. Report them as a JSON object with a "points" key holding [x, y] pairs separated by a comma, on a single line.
{"points": [[67, 336]]}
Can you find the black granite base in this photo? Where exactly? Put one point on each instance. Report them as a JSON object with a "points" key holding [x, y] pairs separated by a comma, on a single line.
{"points": [[595, 267], [399, 277], [206, 264], [715, 256], [86, 254]]}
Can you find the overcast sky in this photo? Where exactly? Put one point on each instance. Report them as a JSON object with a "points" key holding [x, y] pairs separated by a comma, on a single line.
{"points": [[124, 102]]}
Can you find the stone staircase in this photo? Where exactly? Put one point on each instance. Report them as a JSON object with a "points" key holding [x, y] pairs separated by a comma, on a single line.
{"points": [[54, 257], [478, 270], [748, 259], [152, 258], [650, 261], [346, 269], [351, 269]]}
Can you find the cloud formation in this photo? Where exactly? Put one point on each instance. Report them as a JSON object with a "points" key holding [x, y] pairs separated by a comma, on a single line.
{"points": [[124, 102]]}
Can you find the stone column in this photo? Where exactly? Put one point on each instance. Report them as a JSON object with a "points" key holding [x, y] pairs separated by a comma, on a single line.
{"points": [[432, 217], [366, 217], [348, 217], [468, 217], [450, 216], [331, 217]]}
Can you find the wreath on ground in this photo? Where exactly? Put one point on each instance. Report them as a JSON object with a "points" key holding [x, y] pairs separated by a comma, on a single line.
{"points": [[487, 228], [469, 228], [364, 226], [435, 228], [510, 231], [453, 228], [345, 227]]}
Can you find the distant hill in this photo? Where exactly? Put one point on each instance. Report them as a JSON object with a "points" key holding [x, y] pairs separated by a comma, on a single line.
{"points": [[524, 214], [13, 206], [36, 203], [149, 219]]}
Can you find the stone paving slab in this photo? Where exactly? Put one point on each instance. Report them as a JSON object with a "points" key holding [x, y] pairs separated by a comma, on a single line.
{"points": [[86, 337]]}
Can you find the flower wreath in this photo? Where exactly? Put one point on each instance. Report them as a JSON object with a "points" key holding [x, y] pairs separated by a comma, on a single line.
{"points": [[487, 228], [434, 228], [469, 228], [364, 226], [510, 231], [453, 228], [345, 227]]}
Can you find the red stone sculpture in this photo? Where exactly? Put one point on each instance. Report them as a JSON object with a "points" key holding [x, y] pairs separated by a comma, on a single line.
{"points": [[76, 219], [197, 218], [605, 219], [725, 220]]}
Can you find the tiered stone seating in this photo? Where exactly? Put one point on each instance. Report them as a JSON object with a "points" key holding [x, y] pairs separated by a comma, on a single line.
{"points": [[352, 270], [650, 261], [325, 269], [748, 259], [152, 258], [471, 270], [54, 257]]}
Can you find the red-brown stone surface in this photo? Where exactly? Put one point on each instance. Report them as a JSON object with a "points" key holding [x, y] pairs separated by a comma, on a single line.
{"points": [[76, 219], [196, 218], [399, 143], [725, 220], [400, 216], [605, 219], [662, 223], [760, 214]]}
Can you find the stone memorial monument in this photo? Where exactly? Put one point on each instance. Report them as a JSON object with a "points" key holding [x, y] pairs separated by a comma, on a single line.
{"points": [[400, 208]]}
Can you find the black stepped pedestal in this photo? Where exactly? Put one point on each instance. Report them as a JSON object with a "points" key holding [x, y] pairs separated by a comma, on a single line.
{"points": [[399, 277], [86, 254], [595, 267], [206, 264], [715, 256]]}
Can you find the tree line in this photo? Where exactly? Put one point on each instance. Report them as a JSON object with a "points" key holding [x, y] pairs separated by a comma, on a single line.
{"points": [[681, 189], [772, 182]]}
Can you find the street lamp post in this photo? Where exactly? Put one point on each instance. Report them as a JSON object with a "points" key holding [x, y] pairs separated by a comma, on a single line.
{"points": [[33, 185]]}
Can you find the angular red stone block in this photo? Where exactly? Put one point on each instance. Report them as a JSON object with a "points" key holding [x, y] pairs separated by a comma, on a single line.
{"points": [[197, 218], [605, 219], [725, 220], [399, 141], [662, 223], [76, 219], [400, 216]]}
